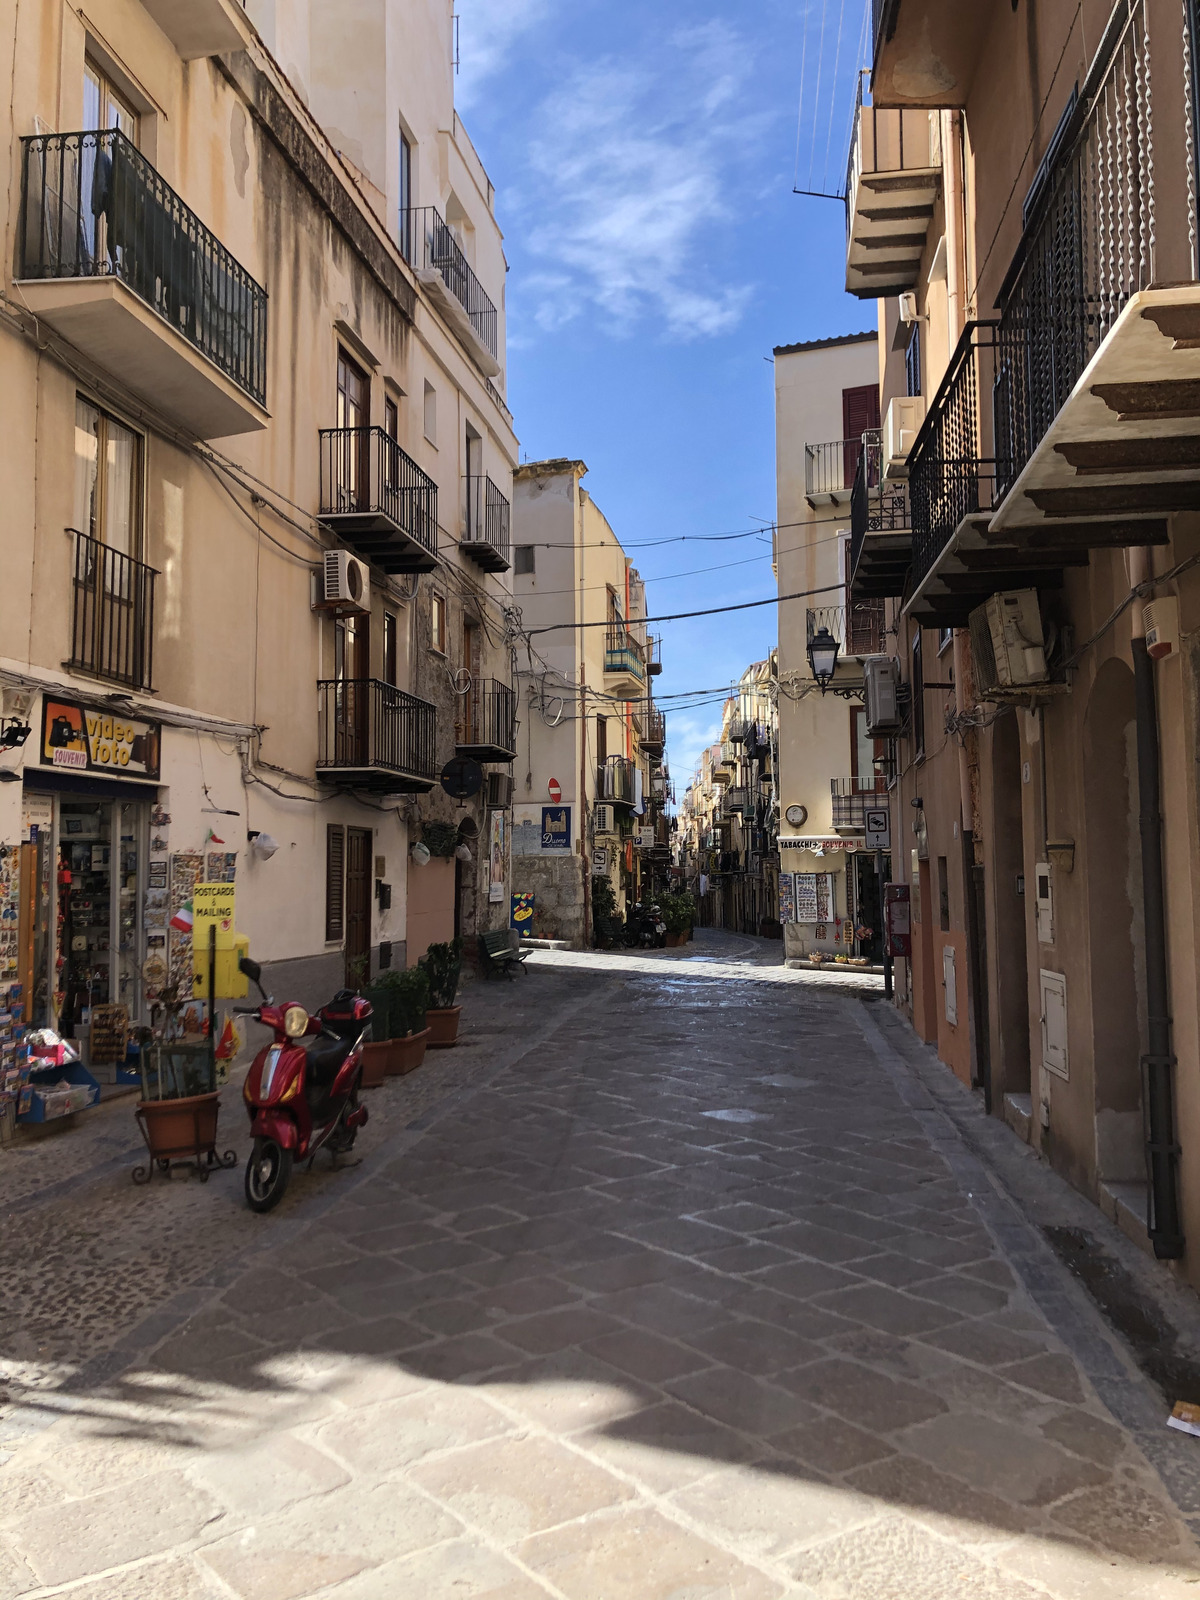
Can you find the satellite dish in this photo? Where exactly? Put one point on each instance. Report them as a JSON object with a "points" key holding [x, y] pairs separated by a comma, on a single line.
{"points": [[462, 777]]}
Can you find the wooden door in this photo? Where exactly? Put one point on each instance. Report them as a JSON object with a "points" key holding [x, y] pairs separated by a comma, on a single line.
{"points": [[860, 413], [353, 418], [358, 905], [352, 669]]}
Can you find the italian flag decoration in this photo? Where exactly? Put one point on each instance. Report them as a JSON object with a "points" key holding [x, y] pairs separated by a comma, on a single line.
{"points": [[182, 920]]}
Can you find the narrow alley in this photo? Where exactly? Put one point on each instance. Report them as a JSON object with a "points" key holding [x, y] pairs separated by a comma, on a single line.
{"points": [[678, 1279]]}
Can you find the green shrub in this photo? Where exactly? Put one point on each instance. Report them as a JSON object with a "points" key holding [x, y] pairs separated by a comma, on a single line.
{"points": [[442, 964], [678, 912], [408, 993], [604, 910]]}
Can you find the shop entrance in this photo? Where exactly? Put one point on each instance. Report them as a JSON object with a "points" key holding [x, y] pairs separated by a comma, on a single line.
{"points": [[83, 883]]}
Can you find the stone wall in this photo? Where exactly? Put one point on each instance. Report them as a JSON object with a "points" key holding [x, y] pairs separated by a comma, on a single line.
{"points": [[557, 885]]}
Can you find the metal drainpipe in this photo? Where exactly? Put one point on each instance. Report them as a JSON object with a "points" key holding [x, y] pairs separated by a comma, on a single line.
{"points": [[1163, 1223]]}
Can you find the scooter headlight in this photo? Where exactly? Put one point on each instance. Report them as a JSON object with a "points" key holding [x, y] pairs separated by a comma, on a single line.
{"points": [[295, 1021]]}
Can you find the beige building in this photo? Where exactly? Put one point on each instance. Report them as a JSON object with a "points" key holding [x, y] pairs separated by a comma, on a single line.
{"points": [[826, 400], [257, 490], [590, 787], [1023, 206]]}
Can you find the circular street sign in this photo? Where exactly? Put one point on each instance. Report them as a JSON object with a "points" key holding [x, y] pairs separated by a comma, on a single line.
{"points": [[554, 790], [462, 777]]}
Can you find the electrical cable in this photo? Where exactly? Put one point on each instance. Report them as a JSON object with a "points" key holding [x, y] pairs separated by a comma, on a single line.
{"points": [[710, 611]]}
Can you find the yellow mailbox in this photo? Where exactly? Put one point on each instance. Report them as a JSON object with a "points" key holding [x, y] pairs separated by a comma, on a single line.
{"points": [[231, 984]]}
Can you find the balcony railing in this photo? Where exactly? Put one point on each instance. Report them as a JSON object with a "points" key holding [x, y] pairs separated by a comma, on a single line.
{"points": [[488, 531], [852, 797], [1088, 246], [92, 206], [487, 721], [369, 483], [951, 473], [623, 652], [737, 800], [372, 733], [829, 468], [654, 731], [859, 628], [112, 615], [615, 781], [654, 656], [877, 505], [429, 244]]}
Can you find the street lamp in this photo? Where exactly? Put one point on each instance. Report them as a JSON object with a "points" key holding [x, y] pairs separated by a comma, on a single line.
{"points": [[822, 656]]}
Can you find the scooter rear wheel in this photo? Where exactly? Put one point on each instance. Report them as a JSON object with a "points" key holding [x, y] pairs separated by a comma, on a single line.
{"points": [[268, 1172]]}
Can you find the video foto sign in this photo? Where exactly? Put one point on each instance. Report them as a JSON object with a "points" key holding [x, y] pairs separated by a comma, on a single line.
{"points": [[81, 738]]}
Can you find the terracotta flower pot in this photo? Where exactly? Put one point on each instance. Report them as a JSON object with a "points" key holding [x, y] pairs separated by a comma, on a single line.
{"points": [[375, 1058], [407, 1053], [442, 1027], [177, 1129]]}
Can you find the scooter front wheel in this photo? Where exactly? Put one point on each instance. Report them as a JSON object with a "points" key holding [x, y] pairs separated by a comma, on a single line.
{"points": [[268, 1172]]}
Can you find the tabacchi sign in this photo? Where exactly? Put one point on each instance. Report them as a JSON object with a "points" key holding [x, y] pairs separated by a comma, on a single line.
{"points": [[84, 739]]}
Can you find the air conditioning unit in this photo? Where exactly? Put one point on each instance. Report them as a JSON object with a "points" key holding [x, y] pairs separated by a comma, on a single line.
{"points": [[345, 582], [603, 820], [908, 308], [1007, 645], [901, 425], [881, 691], [499, 791]]}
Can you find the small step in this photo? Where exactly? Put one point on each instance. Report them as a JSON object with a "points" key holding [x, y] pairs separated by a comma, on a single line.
{"points": [[1126, 1205], [1018, 1113]]}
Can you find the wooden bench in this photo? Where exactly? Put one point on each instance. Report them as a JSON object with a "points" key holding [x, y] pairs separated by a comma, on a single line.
{"points": [[500, 952]]}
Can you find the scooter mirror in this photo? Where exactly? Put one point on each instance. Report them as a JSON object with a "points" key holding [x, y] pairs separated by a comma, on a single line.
{"points": [[251, 968]]}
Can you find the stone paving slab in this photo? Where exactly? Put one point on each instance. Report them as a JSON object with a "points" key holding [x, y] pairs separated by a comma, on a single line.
{"points": [[581, 1338]]}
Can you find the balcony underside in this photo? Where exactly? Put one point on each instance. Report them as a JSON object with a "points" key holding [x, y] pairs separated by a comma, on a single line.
{"points": [[1126, 443], [624, 682], [931, 56], [380, 539], [379, 780], [888, 230], [485, 752], [485, 555], [105, 320], [435, 286], [883, 565], [652, 747], [200, 28], [978, 561]]}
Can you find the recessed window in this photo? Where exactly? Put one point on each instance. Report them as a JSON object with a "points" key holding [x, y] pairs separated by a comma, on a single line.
{"points": [[430, 412], [523, 562], [390, 650], [437, 634], [108, 500], [406, 197]]}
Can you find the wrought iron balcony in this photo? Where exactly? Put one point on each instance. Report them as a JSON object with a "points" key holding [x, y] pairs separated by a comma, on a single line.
{"points": [[112, 614], [737, 800], [372, 735], [654, 732], [378, 500], [487, 536], [654, 656], [623, 654], [859, 628], [852, 797], [615, 781], [892, 183], [429, 245], [94, 215], [829, 471], [486, 728]]}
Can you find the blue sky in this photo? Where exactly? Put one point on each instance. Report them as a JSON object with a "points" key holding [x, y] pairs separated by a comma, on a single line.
{"points": [[644, 159]]}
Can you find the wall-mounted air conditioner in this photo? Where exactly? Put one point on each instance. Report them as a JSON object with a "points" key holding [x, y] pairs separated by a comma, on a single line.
{"points": [[1007, 644], [901, 425], [881, 691], [344, 583], [603, 820], [499, 791]]}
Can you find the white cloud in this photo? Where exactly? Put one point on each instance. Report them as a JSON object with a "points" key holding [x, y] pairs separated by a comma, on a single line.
{"points": [[488, 33], [633, 188]]}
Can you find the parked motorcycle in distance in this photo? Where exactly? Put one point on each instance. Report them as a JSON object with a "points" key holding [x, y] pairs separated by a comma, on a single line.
{"points": [[300, 1097], [644, 927]]}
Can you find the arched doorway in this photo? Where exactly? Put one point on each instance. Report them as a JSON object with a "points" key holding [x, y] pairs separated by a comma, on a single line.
{"points": [[1115, 932]]}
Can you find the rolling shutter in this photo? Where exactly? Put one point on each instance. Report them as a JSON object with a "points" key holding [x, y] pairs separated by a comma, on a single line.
{"points": [[335, 881]]}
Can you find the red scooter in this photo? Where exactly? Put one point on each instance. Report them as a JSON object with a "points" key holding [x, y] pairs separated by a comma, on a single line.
{"points": [[300, 1098]]}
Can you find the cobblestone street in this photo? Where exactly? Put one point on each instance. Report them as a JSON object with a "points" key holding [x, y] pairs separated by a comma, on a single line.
{"points": [[677, 1281]]}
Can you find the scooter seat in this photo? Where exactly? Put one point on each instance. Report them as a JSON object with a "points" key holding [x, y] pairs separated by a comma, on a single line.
{"points": [[325, 1057]]}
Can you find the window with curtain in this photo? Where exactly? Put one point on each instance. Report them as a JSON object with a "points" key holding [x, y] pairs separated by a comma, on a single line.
{"points": [[107, 480]]}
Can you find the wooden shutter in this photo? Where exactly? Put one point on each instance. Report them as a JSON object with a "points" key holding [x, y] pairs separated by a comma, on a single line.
{"points": [[1055, 1057], [860, 410], [335, 881]]}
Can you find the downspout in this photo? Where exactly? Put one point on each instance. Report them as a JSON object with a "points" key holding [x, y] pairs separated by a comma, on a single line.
{"points": [[1163, 1223], [581, 638]]}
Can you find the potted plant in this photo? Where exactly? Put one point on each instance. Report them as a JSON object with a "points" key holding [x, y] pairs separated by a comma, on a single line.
{"points": [[677, 914], [180, 1102], [442, 964], [408, 994], [378, 1048]]}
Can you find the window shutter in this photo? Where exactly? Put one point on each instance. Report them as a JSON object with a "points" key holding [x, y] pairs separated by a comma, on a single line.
{"points": [[1054, 1023], [335, 881]]}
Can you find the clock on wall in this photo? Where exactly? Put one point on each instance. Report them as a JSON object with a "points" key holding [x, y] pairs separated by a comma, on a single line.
{"points": [[797, 815]]}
